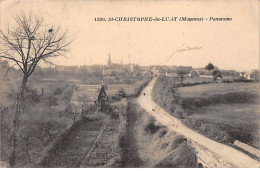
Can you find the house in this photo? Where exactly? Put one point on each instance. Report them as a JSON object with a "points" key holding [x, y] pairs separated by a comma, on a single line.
{"points": [[254, 75], [187, 69], [82, 95], [193, 74], [201, 71], [241, 74], [171, 73], [228, 72], [155, 71], [172, 67]]}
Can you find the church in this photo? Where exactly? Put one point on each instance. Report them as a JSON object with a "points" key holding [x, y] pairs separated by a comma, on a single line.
{"points": [[113, 68]]}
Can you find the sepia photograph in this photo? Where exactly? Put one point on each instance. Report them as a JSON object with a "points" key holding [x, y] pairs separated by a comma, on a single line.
{"points": [[129, 84]]}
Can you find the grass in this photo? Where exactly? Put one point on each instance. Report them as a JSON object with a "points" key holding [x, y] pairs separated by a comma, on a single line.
{"points": [[159, 147], [238, 121], [112, 89], [51, 109], [36, 117], [106, 151], [224, 112], [192, 80], [216, 88], [181, 157], [74, 144], [130, 89]]}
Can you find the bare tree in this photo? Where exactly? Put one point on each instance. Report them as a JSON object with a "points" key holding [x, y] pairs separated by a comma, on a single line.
{"points": [[26, 45]]}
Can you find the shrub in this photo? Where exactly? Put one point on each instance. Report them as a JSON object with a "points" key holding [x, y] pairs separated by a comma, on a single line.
{"points": [[242, 79], [58, 91], [121, 92], [227, 81], [51, 101]]}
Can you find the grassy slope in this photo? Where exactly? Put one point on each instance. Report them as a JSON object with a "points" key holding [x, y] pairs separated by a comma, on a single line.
{"points": [[158, 147]]}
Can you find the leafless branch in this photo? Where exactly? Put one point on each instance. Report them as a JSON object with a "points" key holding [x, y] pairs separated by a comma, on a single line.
{"points": [[31, 42]]}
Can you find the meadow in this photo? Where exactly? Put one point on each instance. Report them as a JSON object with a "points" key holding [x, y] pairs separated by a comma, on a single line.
{"points": [[216, 88]]}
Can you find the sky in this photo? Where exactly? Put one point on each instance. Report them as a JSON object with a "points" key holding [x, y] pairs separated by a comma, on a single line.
{"points": [[228, 45]]}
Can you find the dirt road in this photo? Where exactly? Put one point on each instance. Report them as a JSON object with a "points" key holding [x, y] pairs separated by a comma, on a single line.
{"points": [[210, 153]]}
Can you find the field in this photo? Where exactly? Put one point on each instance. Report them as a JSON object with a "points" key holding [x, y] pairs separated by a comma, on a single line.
{"points": [[239, 121], [224, 112], [214, 89], [129, 89], [188, 81], [192, 80], [112, 89]]}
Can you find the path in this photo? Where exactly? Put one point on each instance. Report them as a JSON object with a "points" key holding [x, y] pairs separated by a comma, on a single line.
{"points": [[76, 146], [210, 153]]}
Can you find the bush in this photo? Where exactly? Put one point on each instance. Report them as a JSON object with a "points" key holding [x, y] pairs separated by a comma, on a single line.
{"points": [[29, 97], [242, 79], [51, 101], [227, 81], [121, 93], [58, 91]]}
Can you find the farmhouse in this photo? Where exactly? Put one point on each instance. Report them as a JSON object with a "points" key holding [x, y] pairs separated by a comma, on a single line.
{"points": [[185, 68], [84, 94], [89, 95]]}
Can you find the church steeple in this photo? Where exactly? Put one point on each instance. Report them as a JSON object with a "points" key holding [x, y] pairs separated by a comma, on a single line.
{"points": [[109, 60]]}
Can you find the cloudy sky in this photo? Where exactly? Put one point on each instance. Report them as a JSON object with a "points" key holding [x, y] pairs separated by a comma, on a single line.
{"points": [[228, 45]]}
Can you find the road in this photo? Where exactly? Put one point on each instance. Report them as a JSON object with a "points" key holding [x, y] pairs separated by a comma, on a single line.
{"points": [[209, 152]]}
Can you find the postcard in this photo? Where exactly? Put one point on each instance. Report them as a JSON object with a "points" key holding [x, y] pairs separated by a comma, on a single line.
{"points": [[129, 84]]}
